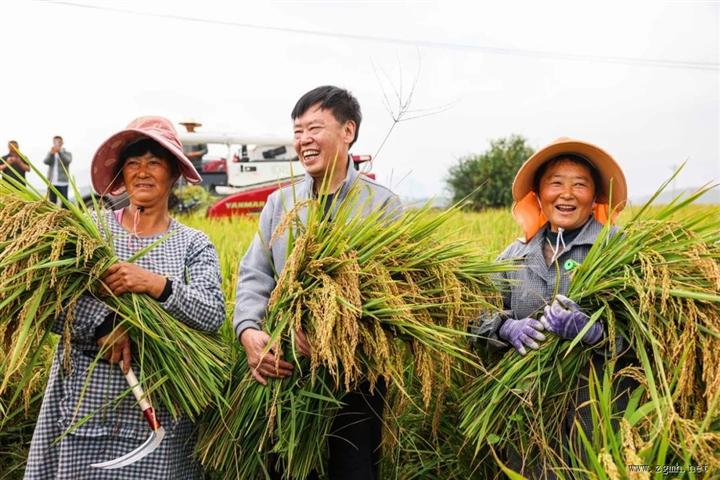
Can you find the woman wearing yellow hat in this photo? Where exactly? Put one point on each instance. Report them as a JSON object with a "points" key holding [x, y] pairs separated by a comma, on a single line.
{"points": [[563, 194]]}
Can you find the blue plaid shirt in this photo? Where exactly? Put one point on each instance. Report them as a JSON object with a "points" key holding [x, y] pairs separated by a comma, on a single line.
{"points": [[117, 426]]}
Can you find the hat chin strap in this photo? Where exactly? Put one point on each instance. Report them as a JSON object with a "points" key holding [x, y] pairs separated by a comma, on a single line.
{"points": [[530, 217]]}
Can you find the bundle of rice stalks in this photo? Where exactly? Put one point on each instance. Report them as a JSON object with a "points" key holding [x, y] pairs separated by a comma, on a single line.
{"points": [[372, 294], [15, 435], [18, 415], [657, 285], [633, 444], [418, 446], [49, 257]]}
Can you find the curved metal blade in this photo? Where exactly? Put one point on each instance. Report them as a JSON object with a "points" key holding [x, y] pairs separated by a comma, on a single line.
{"points": [[139, 453]]}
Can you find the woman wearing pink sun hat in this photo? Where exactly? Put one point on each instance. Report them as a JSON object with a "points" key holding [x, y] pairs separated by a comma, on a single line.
{"points": [[182, 273]]}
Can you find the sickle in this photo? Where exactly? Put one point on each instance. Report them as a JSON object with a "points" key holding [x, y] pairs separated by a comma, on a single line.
{"points": [[153, 441]]}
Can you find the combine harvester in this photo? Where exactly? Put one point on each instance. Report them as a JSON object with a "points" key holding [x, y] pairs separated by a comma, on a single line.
{"points": [[257, 166]]}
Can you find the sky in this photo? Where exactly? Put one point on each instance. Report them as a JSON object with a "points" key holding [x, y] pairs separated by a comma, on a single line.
{"points": [[639, 79]]}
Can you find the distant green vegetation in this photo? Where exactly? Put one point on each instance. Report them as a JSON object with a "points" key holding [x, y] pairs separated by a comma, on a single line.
{"points": [[486, 179]]}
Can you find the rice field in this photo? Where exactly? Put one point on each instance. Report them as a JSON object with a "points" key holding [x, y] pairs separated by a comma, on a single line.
{"points": [[491, 231]]}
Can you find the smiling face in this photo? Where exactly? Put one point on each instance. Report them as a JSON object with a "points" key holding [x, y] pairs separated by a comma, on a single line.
{"points": [[567, 194], [148, 179], [320, 139]]}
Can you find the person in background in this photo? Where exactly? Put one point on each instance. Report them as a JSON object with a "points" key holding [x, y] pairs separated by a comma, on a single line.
{"points": [[58, 161], [14, 166], [194, 152]]}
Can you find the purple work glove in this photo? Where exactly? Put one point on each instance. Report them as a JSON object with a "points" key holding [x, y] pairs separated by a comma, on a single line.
{"points": [[522, 333], [565, 319]]}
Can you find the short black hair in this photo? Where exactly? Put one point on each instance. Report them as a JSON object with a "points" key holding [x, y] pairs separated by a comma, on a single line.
{"points": [[573, 158], [343, 105], [139, 148], [14, 143], [58, 137]]}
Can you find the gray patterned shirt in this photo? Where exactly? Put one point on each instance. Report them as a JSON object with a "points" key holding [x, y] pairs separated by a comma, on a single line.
{"points": [[527, 290]]}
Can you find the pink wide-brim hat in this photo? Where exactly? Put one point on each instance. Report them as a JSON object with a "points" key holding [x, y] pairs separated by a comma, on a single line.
{"points": [[103, 167]]}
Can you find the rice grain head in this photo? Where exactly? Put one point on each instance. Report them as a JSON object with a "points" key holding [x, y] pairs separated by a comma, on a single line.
{"points": [[609, 466]]}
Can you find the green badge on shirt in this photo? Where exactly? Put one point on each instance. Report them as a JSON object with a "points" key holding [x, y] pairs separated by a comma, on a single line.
{"points": [[570, 265]]}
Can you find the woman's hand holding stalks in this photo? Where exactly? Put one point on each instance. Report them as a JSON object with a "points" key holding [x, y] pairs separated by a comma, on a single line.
{"points": [[565, 319], [522, 333], [117, 344], [123, 277]]}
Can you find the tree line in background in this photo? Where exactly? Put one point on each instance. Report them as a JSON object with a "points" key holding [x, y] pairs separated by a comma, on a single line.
{"points": [[493, 171]]}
